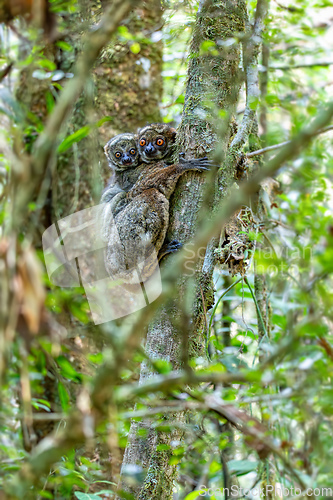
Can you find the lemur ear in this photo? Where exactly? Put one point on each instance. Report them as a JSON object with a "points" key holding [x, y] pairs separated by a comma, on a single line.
{"points": [[173, 133]]}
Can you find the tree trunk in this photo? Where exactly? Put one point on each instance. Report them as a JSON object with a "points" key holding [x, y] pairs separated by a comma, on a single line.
{"points": [[177, 333]]}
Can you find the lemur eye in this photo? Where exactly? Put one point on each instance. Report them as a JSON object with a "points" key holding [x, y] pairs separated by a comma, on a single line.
{"points": [[142, 142], [117, 154], [132, 151], [160, 142]]}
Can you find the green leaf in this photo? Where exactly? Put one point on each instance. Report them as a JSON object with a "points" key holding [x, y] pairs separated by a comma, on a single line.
{"points": [[180, 99], [64, 396], [241, 467], [71, 139], [86, 496], [64, 46], [135, 48], [162, 447], [195, 494], [47, 64], [49, 101], [207, 45], [67, 370], [45, 494], [163, 366]]}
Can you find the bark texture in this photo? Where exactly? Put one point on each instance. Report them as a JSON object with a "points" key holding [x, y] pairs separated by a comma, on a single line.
{"points": [[129, 84], [177, 333]]}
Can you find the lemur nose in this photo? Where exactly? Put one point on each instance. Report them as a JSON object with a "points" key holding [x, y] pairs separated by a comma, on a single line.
{"points": [[127, 159], [150, 148]]}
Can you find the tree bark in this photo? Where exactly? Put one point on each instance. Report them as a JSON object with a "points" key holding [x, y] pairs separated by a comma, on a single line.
{"points": [[177, 333]]}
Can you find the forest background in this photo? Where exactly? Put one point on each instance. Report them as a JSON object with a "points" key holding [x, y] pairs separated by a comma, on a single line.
{"points": [[233, 387]]}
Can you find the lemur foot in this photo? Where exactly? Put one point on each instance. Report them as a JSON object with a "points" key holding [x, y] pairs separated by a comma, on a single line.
{"points": [[170, 247], [197, 163]]}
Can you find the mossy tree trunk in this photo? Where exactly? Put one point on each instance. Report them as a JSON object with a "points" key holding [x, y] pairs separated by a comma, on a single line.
{"points": [[177, 333]]}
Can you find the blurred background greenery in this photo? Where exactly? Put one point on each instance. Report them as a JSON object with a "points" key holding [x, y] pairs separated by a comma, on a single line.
{"points": [[44, 369]]}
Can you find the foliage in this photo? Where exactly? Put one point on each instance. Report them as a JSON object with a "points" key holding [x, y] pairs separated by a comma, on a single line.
{"points": [[287, 386]]}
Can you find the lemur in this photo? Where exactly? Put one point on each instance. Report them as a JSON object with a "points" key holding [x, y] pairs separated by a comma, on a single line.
{"points": [[141, 214], [125, 156]]}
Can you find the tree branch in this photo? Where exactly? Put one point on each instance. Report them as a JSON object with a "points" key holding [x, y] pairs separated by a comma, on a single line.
{"points": [[251, 49], [303, 65], [278, 146]]}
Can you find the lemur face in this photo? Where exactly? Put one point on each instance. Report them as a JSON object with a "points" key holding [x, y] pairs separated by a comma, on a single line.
{"points": [[122, 152], [156, 141]]}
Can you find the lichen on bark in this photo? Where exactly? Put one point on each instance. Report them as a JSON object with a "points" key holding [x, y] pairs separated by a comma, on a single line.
{"points": [[128, 78]]}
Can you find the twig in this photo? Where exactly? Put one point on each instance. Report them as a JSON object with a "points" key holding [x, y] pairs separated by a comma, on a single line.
{"points": [[252, 76], [180, 407], [303, 65], [5, 71], [219, 300], [279, 223], [328, 348], [257, 306], [281, 144], [177, 379], [206, 324]]}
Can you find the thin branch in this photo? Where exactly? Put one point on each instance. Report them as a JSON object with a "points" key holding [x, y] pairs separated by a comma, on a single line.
{"points": [[178, 379], [219, 300], [263, 326], [328, 348], [163, 409], [252, 75], [303, 65], [6, 70], [37, 416], [281, 144]]}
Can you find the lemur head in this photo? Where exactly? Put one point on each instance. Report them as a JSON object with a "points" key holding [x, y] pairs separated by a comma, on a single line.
{"points": [[156, 142], [122, 152]]}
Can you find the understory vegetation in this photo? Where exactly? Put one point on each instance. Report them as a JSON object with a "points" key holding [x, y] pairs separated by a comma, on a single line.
{"points": [[222, 387]]}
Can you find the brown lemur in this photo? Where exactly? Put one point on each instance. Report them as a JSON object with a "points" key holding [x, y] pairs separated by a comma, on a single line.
{"points": [[141, 223], [123, 156], [126, 165], [157, 142]]}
